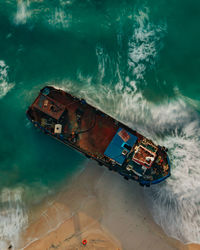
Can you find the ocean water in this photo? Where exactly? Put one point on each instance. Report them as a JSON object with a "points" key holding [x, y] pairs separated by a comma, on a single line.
{"points": [[137, 60]]}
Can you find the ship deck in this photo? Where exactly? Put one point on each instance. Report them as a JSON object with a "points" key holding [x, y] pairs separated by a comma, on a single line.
{"points": [[93, 124], [96, 129], [96, 134]]}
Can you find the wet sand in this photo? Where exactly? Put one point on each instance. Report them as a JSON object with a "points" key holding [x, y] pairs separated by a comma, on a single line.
{"points": [[103, 208]]}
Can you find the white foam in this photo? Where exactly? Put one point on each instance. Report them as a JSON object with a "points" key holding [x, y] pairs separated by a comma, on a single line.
{"points": [[23, 12], [13, 217], [145, 43], [59, 18], [102, 58], [64, 2], [176, 125], [175, 203], [5, 87]]}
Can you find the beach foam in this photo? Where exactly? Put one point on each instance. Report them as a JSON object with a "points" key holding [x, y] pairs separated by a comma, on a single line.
{"points": [[13, 217], [175, 203], [175, 125]]}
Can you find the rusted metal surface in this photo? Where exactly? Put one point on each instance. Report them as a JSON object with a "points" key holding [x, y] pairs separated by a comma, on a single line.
{"points": [[80, 125]]}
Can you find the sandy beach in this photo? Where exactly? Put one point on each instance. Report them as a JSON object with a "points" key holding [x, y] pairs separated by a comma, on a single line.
{"points": [[102, 208]]}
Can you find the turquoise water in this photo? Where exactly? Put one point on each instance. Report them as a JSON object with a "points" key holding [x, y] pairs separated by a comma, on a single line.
{"points": [[136, 60]]}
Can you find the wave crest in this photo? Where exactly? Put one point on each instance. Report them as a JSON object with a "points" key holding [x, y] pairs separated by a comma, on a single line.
{"points": [[145, 43], [13, 217], [23, 12], [5, 87], [59, 19], [176, 125]]}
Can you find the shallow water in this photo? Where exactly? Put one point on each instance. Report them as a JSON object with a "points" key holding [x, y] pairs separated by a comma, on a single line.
{"points": [[136, 60]]}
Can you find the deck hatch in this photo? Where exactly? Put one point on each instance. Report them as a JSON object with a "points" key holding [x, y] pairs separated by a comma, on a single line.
{"points": [[116, 147], [49, 106]]}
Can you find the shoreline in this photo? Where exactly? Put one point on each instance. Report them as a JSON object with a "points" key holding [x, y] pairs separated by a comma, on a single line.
{"points": [[103, 208]]}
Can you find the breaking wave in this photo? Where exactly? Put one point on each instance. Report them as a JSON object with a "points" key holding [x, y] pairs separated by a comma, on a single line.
{"points": [[13, 217], [175, 125], [103, 60], [145, 43], [4, 85], [41, 12], [175, 203], [23, 12], [59, 19]]}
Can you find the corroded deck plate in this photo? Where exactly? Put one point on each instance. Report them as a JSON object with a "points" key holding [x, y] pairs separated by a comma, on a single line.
{"points": [[78, 124]]}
